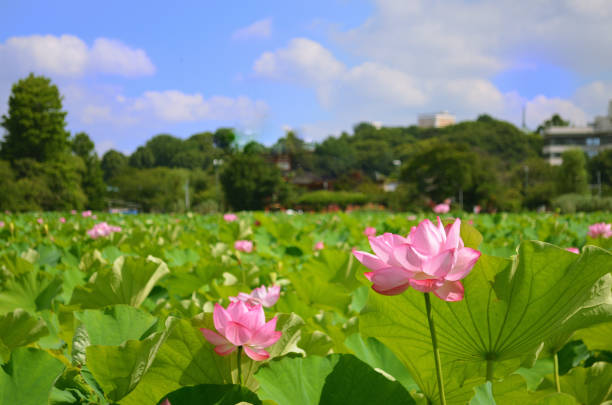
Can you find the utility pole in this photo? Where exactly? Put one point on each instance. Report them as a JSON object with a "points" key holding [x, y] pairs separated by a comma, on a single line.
{"points": [[187, 194], [216, 164]]}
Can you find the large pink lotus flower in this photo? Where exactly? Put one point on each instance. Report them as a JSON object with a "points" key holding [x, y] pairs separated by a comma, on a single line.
{"points": [[244, 246], [319, 245], [369, 231], [230, 217], [441, 208], [242, 325], [573, 250], [259, 296], [430, 259], [600, 229], [102, 230]]}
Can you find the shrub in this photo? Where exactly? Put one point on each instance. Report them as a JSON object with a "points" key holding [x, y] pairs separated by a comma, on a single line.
{"points": [[570, 203]]}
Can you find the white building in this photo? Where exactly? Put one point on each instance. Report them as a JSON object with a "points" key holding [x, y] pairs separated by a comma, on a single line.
{"points": [[436, 120], [592, 139]]}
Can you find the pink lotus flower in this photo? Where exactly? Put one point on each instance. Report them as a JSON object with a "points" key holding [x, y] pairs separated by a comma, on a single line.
{"points": [[477, 209], [430, 259], [102, 230], [73, 212], [600, 229], [62, 220], [94, 217], [411, 217], [441, 208], [319, 245], [86, 214], [244, 246], [230, 217], [259, 296], [166, 402], [370, 231], [573, 250], [242, 325], [40, 220], [1, 224]]}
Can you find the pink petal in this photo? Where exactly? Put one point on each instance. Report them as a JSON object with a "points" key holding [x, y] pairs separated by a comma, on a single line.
{"points": [[465, 259], [450, 291], [224, 350], [408, 257], [220, 318], [380, 247], [266, 335], [213, 337], [440, 265], [256, 354], [426, 285], [453, 236], [390, 281], [237, 333], [236, 310], [369, 260], [254, 318], [427, 238]]}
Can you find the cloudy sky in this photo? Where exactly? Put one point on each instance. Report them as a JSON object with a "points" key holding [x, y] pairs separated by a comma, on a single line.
{"points": [[131, 69]]}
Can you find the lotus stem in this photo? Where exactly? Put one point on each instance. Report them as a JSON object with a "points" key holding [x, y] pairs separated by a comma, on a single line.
{"points": [[556, 365], [434, 342], [490, 364], [239, 365]]}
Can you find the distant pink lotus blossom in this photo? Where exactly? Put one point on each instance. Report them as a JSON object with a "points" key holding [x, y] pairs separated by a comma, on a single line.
{"points": [[1, 224], [102, 229], [86, 214], [319, 245], [411, 217], [600, 229], [62, 220], [243, 246], [369, 231], [430, 259], [573, 250], [242, 325], [441, 208], [477, 209], [230, 217], [266, 296], [73, 212], [40, 220], [94, 217]]}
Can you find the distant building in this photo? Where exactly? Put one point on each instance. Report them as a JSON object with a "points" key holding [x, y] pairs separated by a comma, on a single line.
{"points": [[592, 138], [436, 120]]}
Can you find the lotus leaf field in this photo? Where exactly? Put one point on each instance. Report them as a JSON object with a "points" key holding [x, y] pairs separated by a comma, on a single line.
{"points": [[122, 313]]}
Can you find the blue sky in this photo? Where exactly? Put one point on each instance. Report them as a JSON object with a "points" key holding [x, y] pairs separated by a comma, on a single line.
{"points": [[129, 70]]}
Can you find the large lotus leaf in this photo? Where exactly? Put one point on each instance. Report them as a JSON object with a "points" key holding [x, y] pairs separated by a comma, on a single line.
{"points": [[590, 386], [118, 369], [512, 390], [212, 394], [32, 291], [186, 358], [335, 379], [598, 337], [19, 328], [535, 375], [509, 308], [379, 357], [28, 377], [110, 326], [129, 281]]}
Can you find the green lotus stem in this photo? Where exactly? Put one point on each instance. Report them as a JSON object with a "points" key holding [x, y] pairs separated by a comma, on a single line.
{"points": [[434, 342], [490, 364], [556, 365], [239, 364]]}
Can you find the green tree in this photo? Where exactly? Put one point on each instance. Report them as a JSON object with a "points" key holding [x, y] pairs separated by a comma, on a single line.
{"points": [[35, 122], [164, 148], [224, 138], [113, 163], [554, 121], [142, 158], [335, 157], [93, 179], [572, 177], [250, 183]]}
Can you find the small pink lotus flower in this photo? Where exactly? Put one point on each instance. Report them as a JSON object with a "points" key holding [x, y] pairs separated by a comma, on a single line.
{"points": [[441, 208], [411, 217], [86, 214], [40, 220], [430, 259], [573, 250], [1, 224], [244, 246], [370, 231], [600, 229], [102, 230], [319, 245], [260, 296], [242, 325], [477, 209], [94, 217], [73, 212], [62, 220], [230, 217]]}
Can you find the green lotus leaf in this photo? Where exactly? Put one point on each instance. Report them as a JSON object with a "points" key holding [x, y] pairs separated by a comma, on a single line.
{"points": [[213, 394], [19, 328]]}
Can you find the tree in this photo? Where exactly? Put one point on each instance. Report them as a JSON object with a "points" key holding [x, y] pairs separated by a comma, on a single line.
{"points": [[250, 183], [113, 163], [35, 123], [93, 178], [164, 147], [554, 121], [335, 157], [572, 173], [224, 138], [142, 158]]}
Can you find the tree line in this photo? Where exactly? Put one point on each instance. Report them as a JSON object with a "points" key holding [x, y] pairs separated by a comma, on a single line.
{"points": [[485, 162]]}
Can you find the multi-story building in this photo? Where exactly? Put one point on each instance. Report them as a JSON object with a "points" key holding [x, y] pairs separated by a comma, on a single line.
{"points": [[592, 139], [436, 120]]}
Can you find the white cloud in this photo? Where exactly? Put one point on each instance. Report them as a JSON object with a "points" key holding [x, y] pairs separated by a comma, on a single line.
{"points": [[259, 29], [69, 56], [594, 97], [541, 108]]}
